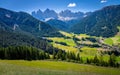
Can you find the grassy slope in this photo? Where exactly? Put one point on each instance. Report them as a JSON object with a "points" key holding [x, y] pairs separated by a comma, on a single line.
{"points": [[69, 42], [20, 67], [113, 40], [65, 48], [87, 52], [66, 34], [82, 36], [108, 41]]}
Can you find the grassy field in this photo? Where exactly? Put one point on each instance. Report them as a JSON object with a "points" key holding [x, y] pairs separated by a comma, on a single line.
{"points": [[82, 36], [69, 42], [67, 34], [108, 41], [86, 51], [113, 40], [65, 48], [21, 67]]}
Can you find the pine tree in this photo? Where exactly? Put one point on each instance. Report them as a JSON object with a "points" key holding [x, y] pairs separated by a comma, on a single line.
{"points": [[63, 56], [112, 60], [88, 61], [59, 54], [81, 60], [78, 57], [96, 60], [54, 54]]}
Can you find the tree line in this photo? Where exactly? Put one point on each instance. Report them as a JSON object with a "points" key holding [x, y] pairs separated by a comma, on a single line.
{"points": [[22, 52], [31, 53], [75, 57], [100, 62]]}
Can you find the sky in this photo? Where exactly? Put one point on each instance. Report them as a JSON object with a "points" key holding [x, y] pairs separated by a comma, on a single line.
{"points": [[57, 5]]}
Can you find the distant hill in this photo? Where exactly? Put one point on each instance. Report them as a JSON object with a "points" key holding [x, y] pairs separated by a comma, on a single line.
{"points": [[102, 22]]}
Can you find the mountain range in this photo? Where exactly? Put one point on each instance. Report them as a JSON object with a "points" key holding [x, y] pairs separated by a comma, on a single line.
{"points": [[66, 18], [103, 22], [65, 15]]}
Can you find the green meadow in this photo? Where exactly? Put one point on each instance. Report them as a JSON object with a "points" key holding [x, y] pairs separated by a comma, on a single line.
{"points": [[113, 40], [85, 51], [21, 67], [69, 42]]}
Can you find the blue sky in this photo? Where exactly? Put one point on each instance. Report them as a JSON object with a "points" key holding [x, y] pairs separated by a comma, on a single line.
{"points": [[57, 5]]}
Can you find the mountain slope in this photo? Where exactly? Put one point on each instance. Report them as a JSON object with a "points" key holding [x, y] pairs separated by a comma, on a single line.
{"points": [[23, 22], [103, 22], [21, 29], [58, 24], [9, 38]]}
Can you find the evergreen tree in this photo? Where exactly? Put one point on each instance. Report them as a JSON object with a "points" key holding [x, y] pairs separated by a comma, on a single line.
{"points": [[112, 60], [63, 56], [96, 60], [78, 57], [88, 61], [54, 54], [59, 54]]}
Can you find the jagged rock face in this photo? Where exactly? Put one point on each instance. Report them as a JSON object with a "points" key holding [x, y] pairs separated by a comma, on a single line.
{"points": [[45, 15], [65, 15]]}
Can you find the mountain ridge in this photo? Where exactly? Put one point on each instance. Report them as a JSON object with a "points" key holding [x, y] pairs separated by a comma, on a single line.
{"points": [[41, 15], [26, 23], [67, 17], [102, 22]]}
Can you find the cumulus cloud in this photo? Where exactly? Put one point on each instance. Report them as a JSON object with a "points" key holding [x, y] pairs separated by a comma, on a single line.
{"points": [[103, 1], [71, 5]]}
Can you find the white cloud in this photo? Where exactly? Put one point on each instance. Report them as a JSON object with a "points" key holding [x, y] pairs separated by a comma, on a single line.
{"points": [[71, 5], [103, 1]]}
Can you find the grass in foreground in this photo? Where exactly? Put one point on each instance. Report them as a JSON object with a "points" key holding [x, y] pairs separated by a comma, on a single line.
{"points": [[21, 67]]}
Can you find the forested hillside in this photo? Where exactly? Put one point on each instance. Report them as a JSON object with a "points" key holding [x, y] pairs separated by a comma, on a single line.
{"points": [[102, 22], [25, 23]]}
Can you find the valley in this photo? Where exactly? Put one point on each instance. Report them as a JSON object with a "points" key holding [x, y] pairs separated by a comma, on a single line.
{"points": [[46, 42], [86, 47]]}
